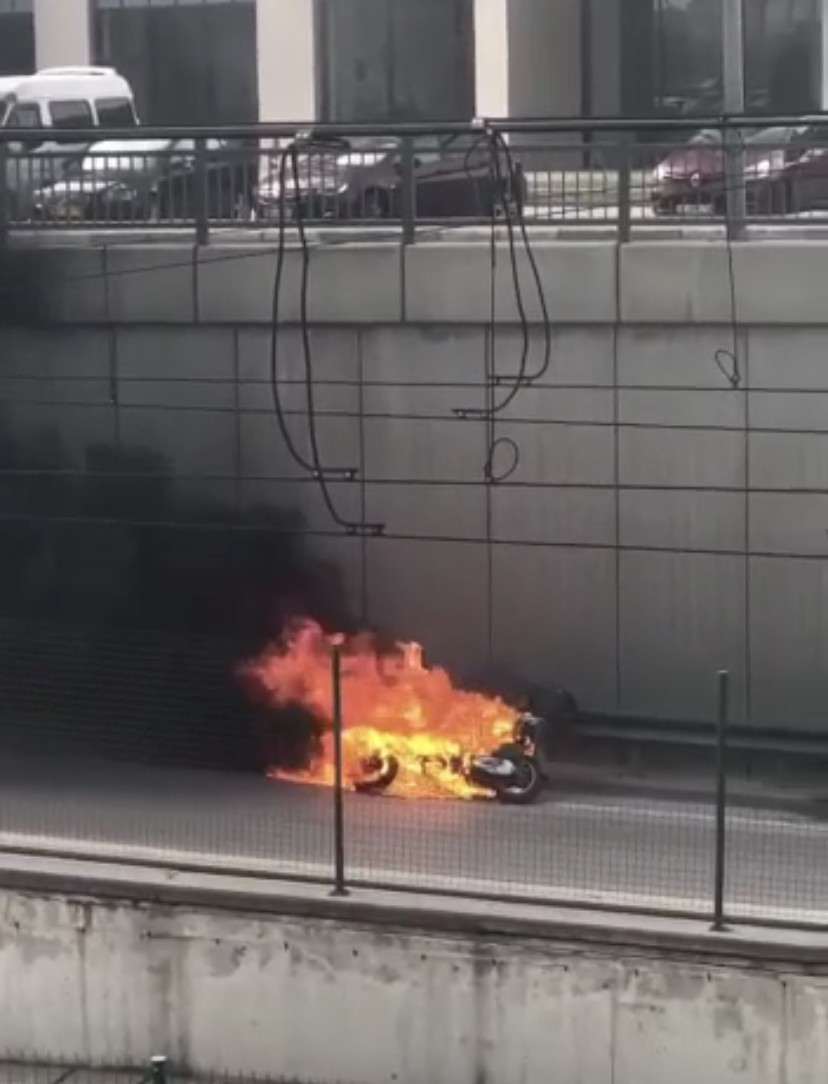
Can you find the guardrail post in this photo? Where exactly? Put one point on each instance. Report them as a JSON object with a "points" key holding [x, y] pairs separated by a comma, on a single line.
{"points": [[624, 188], [409, 192], [201, 210], [158, 1069], [339, 801], [4, 192], [721, 803]]}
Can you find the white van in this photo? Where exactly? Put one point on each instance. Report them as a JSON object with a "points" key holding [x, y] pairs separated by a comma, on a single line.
{"points": [[67, 98], [51, 100]]}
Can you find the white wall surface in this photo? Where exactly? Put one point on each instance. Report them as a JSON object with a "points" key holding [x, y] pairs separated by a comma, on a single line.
{"points": [[313, 1000], [62, 33], [287, 62]]}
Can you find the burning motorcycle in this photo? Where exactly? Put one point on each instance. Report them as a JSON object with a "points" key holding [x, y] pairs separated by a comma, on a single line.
{"points": [[511, 773]]}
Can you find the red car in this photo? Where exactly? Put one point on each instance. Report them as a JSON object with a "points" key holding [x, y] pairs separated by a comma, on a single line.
{"points": [[694, 175]]}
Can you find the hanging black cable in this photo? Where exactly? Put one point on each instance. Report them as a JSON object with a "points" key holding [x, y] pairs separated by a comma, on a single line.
{"points": [[312, 465], [502, 189]]}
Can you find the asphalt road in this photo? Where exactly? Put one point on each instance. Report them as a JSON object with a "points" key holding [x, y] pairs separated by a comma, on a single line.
{"points": [[577, 848]]}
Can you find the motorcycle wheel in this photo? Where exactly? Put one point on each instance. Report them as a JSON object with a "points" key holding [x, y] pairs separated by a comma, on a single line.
{"points": [[528, 786], [380, 773]]}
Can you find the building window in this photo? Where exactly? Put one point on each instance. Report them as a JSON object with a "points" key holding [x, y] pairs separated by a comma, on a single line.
{"points": [[396, 60], [192, 63], [680, 72], [17, 40]]}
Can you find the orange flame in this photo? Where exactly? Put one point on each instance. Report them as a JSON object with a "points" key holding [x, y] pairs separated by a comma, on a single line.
{"points": [[392, 705]]}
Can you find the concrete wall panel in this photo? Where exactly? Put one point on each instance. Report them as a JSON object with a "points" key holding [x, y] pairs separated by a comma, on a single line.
{"points": [[681, 519], [653, 1031], [554, 618], [678, 458], [788, 461], [789, 641], [579, 455], [793, 410], [424, 450], [681, 620], [788, 358], [225, 992], [358, 285], [409, 354], [541, 514], [792, 524], [263, 453], [667, 357], [580, 356], [427, 511], [432, 592], [334, 355], [579, 284], [151, 284], [680, 408]]}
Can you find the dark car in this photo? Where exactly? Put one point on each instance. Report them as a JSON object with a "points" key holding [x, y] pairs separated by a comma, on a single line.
{"points": [[346, 179], [694, 174], [151, 180], [799, 180]]}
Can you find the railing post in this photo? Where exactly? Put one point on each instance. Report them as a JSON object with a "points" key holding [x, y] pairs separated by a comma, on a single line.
{"points": [[721, 803], [409, 192], [201, 210], [624, 188], [158, 1069], [5, 217], [339, 801]]}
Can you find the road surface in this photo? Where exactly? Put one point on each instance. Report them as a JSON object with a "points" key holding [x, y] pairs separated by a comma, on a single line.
{"points": [[634, 851]]}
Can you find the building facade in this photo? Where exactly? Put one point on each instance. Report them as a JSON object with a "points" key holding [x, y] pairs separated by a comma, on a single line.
{"points": [[228, 61]]}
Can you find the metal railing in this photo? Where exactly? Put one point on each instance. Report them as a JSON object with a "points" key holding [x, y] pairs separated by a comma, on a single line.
{"points": [[621, 174]]}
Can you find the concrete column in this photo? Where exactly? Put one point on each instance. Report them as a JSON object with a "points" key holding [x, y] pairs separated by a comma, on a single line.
{"points": [[63, 33], [287, 61], [491, 48]]}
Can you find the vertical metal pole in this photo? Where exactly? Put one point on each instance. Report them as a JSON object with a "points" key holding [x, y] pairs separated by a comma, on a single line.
{"points": [[624, 189], [339, 803], [823, 70], [587, 71], [158, 1069], [409, 194], [201, 209], [733, 100], [721, 802], [5, 208]]}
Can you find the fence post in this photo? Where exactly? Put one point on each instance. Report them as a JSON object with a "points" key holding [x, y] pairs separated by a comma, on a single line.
{"points": [[721, 802], [339, 803], [624, 188], [158, 1069], [409, 193], [201, 209]]}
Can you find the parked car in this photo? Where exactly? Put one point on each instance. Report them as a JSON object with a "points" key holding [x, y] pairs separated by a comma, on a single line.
{"points": [[363, 178], [47, 104], [694, 174], [150, 180]]}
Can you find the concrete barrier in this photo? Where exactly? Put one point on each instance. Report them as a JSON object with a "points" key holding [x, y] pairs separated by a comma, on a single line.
{"points": [[113, 965]]}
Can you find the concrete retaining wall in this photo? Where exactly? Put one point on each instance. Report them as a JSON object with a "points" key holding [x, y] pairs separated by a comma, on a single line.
{"points": [[660, 523], [316, 1000]]}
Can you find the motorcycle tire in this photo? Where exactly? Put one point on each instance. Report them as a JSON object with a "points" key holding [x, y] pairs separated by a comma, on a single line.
{"points": [[527, 789], [375, 782]]}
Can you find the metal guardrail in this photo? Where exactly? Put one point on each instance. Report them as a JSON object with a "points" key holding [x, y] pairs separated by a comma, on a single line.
{"points": [[629, 173]]}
